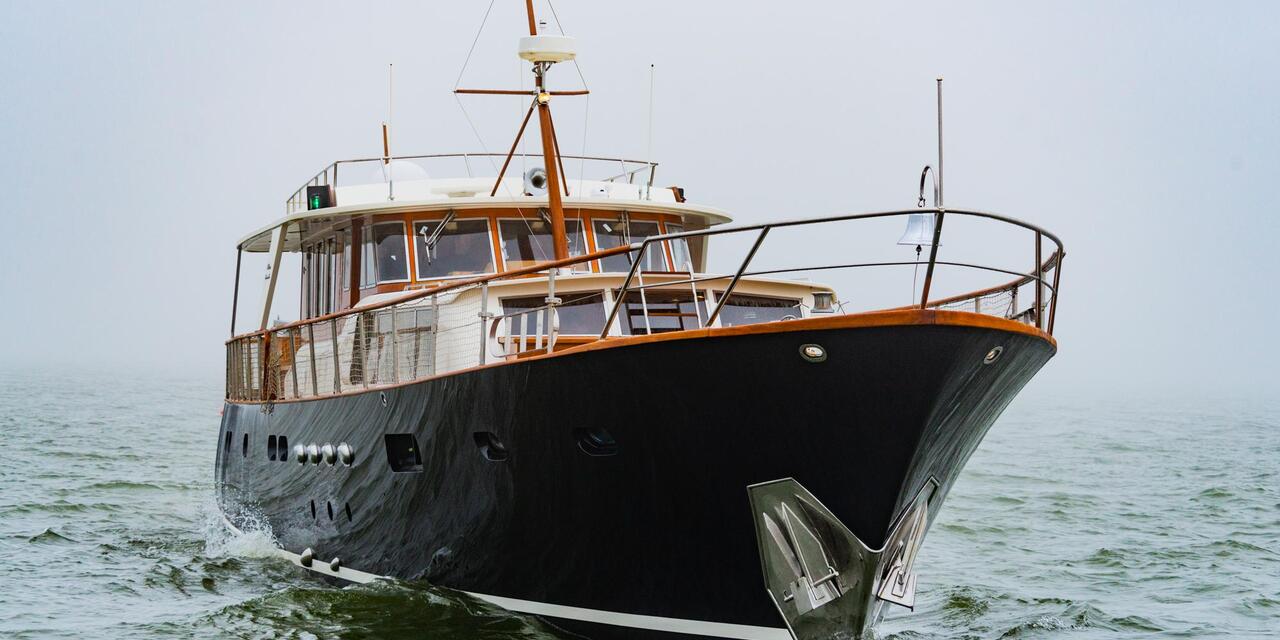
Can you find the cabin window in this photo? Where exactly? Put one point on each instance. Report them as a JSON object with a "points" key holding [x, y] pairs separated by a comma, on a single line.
{"points": [[462, 248], [325, 278], [385, 255], [282, 448], [613, 233], [580, 313], [307, 307], [740, 310], [528, 241], [668, 311], [680, 259], [346, 261], [392, 252], [271, 448]]}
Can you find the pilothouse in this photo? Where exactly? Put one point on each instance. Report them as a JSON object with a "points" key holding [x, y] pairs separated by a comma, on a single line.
{"points": [[547, 392]]}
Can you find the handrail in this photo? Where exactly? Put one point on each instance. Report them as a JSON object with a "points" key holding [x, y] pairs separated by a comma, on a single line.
{"points": [[256, 358], [640, 247], [332, 167], [446, 286]]}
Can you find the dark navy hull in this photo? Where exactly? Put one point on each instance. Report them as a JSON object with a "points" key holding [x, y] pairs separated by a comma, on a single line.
{"points": [[663, 527]]}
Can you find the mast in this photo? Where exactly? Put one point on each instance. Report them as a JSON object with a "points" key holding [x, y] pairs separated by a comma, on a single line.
{"points": [[559, 238], [543, 51]]}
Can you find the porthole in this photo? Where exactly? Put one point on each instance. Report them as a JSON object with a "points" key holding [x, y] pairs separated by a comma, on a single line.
{"points": [[490, 446], [596, 441], [271, 448], [313, 509], [383, 396], [282, 449], [244, 448], [226, 443], [347, 507], [993, 355], [329, 507]]}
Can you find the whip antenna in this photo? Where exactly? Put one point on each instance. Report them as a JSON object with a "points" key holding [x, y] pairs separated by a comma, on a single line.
{"points": [[649, 144]]}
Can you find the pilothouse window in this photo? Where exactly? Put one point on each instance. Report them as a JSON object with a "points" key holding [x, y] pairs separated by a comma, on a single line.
{"points": [[385, 255], [462, 248], [614, 233], [679, 249], [525, 242]]}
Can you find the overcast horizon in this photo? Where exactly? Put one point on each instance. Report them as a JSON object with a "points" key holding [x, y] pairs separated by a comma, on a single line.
{"points": [[142, 141]]}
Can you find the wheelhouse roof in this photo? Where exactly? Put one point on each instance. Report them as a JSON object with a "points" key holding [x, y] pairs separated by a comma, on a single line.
{"points": [[260, 240]]}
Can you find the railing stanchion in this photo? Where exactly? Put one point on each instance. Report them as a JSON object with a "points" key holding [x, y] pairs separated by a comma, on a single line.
{"points": [[435, 331], [484, 320], [621, 298], [337, 362], [551, 300], [1039, 281], [293, 363], [1057, 273], [933, 255], [724, 298], [311, 353], [395, 346], [644, 302]]}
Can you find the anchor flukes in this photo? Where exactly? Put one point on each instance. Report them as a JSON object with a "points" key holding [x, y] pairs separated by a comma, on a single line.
{"points": [[823, 579]]}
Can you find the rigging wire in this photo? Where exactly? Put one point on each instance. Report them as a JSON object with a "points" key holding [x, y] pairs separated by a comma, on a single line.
{"points": [[474, 41]]}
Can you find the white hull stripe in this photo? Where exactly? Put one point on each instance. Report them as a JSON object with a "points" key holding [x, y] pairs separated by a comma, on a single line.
{"points": [[652, 623], [637, 621]]}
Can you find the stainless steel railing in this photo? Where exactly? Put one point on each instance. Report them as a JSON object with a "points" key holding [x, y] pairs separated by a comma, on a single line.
{"points": [[626, 169], [433, 331]]}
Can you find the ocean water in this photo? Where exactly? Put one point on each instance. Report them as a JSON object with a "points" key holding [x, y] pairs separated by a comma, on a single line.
{"points": [[1082, 517]]}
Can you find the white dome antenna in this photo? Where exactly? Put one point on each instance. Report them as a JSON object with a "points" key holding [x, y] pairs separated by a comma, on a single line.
{"points": [[546, 48]]}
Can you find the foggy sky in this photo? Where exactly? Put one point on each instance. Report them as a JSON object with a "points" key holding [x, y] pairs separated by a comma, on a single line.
{"points": [[139, 141]]}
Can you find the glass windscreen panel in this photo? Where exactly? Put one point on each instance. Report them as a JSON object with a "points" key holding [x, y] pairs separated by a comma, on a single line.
{"points": [[580, 313], [461, 248], [742, 309], [385, 255], [667, 311], [680, 257], [613, 233], [527, 242]]}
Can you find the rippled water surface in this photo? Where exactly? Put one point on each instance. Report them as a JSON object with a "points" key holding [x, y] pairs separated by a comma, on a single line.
{"points": [[1081, 518]]}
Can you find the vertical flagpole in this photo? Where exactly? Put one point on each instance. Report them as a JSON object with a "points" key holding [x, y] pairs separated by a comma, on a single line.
{"points": [[937, 223]]}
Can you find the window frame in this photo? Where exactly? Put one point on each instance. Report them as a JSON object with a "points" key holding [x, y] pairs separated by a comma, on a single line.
{"points": [[583, 223], [370, 247], [494, 256], [599, 263]]}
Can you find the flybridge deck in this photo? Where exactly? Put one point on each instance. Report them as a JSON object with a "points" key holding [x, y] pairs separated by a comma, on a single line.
{"points": [[367, 186]]}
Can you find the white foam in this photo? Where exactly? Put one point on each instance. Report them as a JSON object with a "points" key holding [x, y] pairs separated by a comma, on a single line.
{"points": [[253, 539]]}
